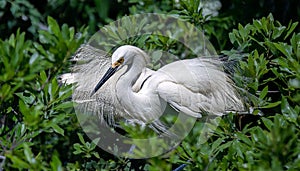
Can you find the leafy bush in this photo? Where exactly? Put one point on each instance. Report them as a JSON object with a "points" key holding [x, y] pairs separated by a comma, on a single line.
{"points": [[31, 16], [36, 114], [273, 57], [268, 56]]}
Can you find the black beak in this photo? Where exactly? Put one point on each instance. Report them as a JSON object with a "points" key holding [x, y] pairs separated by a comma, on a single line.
{"points": [[106, 76]]}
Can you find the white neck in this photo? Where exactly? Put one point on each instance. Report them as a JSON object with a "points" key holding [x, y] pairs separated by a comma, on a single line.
{"points": [[144, 106]]}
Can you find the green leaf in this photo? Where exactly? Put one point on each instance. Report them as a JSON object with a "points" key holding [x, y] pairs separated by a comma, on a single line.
{"points": [[259, 136], [295, 83], [55, 163], [54, 27], [278, 31], [94, 143], [232, 38], [291, 29], [17, 162], [96, 154], [65, 94], [81, 138], [222, 147], [64, 105], [78, 148], [54, 89], [263, 93], [28, 154], [284, 48], [23, 108], [268, 123], [156, 56], [217, 143], [43, 76], [57, 129], [271, 105], [3, 4], [244, 138], [295, 42], [26, 96], [288, 111], [5, 91]]}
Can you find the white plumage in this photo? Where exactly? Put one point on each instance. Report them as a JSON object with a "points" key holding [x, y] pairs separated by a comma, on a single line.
{"points": [[130, 90]]}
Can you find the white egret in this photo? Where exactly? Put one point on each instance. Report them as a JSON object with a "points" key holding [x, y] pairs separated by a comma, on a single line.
{"points": [[192, 86]]}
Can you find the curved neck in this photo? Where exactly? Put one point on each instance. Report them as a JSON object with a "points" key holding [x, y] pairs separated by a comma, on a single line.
{"points": [[131, 74], [144, 106]]}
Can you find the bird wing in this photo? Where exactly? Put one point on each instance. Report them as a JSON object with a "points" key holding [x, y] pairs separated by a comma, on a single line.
{"points": [[91, 64], [197, 86]]}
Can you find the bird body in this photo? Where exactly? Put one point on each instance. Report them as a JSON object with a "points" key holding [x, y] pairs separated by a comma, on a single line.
{"points": [[192, 86]]}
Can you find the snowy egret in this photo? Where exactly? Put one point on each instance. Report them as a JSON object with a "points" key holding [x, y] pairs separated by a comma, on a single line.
{"points": [[192, 86]]}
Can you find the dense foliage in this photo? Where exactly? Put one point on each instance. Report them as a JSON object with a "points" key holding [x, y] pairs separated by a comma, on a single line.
{"points": [[38, 126]]}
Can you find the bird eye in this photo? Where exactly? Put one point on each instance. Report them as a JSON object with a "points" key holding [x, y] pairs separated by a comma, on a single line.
{"points": [[118, 62], [121, 60]]}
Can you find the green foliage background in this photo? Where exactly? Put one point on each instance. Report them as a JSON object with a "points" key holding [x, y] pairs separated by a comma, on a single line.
{"points": [[39, 129]]}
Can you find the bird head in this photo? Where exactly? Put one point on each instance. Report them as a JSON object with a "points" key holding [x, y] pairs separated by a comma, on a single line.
{"points": [[124, 55]]}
